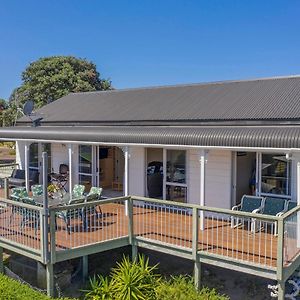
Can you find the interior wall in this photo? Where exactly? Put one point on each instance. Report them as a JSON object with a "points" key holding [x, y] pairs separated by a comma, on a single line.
{"points": [[154, 154], [244, 171]]}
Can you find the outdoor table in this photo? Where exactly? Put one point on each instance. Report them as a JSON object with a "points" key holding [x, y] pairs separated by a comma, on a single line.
{"points": [[55, 201]]}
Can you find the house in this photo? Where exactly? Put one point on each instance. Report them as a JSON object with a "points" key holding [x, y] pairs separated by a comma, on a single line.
{"points": [[200, 144]]}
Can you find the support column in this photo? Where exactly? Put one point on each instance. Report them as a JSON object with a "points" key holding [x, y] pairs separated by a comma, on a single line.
{"points": [[126, 176], [85, 267], [70, 154], [6, 188], [298, 201], [281, 290], [1, 261], [50, 280], [27, 146], [195, 237], [202, 186]]}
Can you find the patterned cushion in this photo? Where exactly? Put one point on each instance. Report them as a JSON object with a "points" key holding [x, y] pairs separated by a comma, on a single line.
{"points": [[37, 190], [17, 193], [94, 194], [78, 190], [95, 190]]}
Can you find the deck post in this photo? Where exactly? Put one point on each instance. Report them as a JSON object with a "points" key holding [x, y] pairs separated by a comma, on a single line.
{"points": [[50, 280], [202, 186], [131, 230], [6, 188], [197, 263], [70, 153], [298, 201], [280, 247], [1, 261], [45, 211], [126, 176], [85, 267], [281, 290], [26, 165]]}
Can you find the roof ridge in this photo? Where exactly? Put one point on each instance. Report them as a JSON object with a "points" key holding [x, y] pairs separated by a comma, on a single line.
{"points": [[192, 84]]}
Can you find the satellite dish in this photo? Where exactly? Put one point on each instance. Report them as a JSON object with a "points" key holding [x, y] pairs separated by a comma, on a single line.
{"points": [[28, 107]]}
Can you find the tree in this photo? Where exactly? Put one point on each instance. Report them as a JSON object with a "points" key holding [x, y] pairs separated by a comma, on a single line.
{"points": [[51, 78]]}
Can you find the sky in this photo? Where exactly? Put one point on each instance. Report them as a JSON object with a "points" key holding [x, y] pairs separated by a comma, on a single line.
{"points": [[140, 43]]}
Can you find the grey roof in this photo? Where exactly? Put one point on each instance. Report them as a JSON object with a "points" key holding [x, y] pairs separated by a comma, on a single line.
{"points": [[249, 100], [284, 137]]}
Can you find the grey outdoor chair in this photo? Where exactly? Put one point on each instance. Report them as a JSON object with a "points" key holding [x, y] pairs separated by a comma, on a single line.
{"points": [[272, 207], [248, 204]]}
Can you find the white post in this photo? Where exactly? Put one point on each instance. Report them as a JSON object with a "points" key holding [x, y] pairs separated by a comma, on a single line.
{"points": [[164, 174], [298, 202], [126, 177], [70, 153], [202, 186], [27, 147]]}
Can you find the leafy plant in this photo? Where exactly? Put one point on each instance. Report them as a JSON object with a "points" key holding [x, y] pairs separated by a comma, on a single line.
{"points": [[100, 289], [11, 289], [134, 280], [182, 287]]}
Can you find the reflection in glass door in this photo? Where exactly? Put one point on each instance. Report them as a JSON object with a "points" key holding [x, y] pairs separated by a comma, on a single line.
{"points": [[176, 186], [85, 166]]}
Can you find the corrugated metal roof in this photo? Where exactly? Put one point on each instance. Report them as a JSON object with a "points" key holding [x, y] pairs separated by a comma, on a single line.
{"points": [[261, 99], [268, 136]]}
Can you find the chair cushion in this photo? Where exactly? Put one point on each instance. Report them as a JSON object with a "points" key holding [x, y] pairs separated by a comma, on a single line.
{"points": [[291, 205], [78, 190], [37, 190], [273, 206], [250, 203]]}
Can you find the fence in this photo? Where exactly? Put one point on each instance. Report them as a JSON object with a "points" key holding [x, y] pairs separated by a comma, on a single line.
{"points": [[269, 242]]}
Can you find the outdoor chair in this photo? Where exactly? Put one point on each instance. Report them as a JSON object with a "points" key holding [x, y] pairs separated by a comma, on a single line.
{"points": [[93, 195], [37, 190], [16, 195], [78, 191], [30, 215], [272, 207], [248, 204], [68, 215], [17, 178], [61, 178]]}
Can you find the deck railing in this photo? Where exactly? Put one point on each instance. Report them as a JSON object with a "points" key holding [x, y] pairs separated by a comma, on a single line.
{"points": [[267, 242]]}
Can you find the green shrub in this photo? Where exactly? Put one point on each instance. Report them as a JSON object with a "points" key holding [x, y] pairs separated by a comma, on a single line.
{"points": [[138, 281], [182, 287], [134, 280], [11, 289], [128, 280]]}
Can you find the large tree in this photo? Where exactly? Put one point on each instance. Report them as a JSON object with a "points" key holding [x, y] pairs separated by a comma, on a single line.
{"points": [[50, 78]]}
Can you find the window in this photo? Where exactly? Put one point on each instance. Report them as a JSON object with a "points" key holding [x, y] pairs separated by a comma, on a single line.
{"points": [[34, 156], [275, 175], [176, 187], [85, 170]]}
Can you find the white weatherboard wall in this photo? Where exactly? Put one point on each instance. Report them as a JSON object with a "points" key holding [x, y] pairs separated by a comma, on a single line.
{"points": [[137, 171], [217, 178], [193, 176]]}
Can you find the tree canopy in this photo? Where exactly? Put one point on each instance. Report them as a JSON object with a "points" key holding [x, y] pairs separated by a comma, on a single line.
{"points": [[51, 78]]}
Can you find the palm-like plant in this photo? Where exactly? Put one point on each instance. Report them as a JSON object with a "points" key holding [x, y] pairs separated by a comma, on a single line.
{"points": [[100, 289], [134, 280]]}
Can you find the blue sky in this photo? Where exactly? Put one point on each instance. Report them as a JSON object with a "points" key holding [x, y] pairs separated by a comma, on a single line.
{"points": [[156, 42]]}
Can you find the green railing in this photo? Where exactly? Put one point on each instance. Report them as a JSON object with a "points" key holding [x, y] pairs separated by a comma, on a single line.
{"points": [[244, 240]]}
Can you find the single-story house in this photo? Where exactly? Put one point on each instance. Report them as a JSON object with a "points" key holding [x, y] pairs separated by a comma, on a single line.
{"points": [[246, 135], [202, 146]]}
